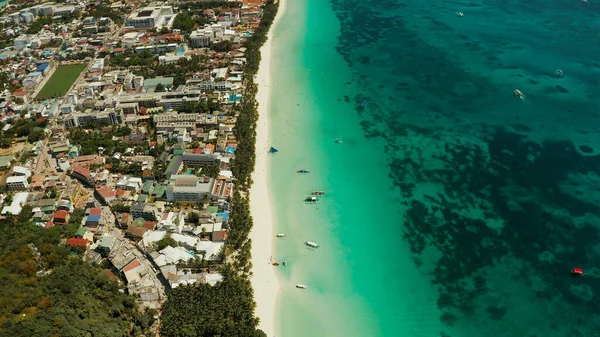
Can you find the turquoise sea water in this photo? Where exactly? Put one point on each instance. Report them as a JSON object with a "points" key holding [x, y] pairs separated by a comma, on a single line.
{"points": [[453, 208]]}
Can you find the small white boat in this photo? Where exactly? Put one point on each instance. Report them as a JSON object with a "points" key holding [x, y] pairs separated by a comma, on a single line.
{"points": [[558, 73], [519, 94], [460, 14], [280, 235], [311, 244], [311, 200], [301, 286]]}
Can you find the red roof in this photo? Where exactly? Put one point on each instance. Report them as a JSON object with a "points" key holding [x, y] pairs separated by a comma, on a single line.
{"points": [[105, 192], [76, 242], [151, 225], [83, 171], [20, 92], [134, 264], [61, 215], [197, 151], [96, 210]]}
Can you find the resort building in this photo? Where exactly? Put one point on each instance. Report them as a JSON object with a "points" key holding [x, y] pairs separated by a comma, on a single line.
{"points": [[149, 17], [188, 188], [190, 160]]}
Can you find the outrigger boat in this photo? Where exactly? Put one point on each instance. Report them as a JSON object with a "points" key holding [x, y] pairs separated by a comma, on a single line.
{"points": [[519, 94], [558, 73], [280, 235], [302, 171], [311, 244], [460, 14], [318, 193], [311, 200], [301, 286]]}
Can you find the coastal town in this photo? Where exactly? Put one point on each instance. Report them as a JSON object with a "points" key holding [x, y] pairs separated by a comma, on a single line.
{"points": [[120, 126]]}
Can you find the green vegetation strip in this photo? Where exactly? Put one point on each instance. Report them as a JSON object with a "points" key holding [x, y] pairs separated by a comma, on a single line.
{"points": [[60, 82]]}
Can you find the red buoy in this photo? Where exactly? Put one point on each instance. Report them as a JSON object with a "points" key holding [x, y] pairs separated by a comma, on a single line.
{"points": [[577, 271]]}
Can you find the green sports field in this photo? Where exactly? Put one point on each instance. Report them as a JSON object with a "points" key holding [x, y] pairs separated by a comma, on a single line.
{"points": [[61, 81]]}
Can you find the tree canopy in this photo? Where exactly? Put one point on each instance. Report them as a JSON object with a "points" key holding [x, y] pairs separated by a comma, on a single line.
{"points": [[202, 310], [55, 293]]}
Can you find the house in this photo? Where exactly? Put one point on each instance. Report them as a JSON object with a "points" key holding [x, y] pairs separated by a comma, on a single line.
{"points": [[144, 210], [171, 222], [84, 175], [74, 151], [219, 236], [93, 220], [106, 194], [134, 271], [84, 233], [123, 220], [61, 217], [106, 245], [77, 242], [5, 161]]}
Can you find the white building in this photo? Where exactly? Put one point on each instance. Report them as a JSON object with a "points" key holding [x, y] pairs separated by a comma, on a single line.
{"points": [[188, 187], [17, 183], [21, 171], [98, 65], [171, 222], [18, 201], [130, 184], [201, 38], [149, 17]]}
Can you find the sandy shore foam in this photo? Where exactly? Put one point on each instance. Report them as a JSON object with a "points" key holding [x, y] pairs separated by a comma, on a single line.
{"points": [[264, 280]]}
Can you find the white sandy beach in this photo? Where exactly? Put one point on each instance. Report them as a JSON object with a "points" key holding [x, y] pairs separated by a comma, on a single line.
{"points": [[264, 280]]}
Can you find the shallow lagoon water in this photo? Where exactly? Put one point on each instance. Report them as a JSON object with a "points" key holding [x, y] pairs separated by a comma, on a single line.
{"points": [[453, 208]]}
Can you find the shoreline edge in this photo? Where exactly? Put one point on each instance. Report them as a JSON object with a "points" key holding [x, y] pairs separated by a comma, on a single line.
{"points": [[264, 280]]}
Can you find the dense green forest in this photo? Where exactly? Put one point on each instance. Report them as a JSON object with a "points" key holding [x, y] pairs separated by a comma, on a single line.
{"points": [[47, 290], [227, 309]]}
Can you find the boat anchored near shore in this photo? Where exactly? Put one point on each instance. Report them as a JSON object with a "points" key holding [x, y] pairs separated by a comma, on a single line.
{"points": [[301, 286], [311, 244], [302, 172], [280, 235], [311, 200], [318, 193]]}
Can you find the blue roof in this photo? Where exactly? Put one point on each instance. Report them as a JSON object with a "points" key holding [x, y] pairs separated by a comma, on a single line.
{"points": [[42, 66], [94, 218]]}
